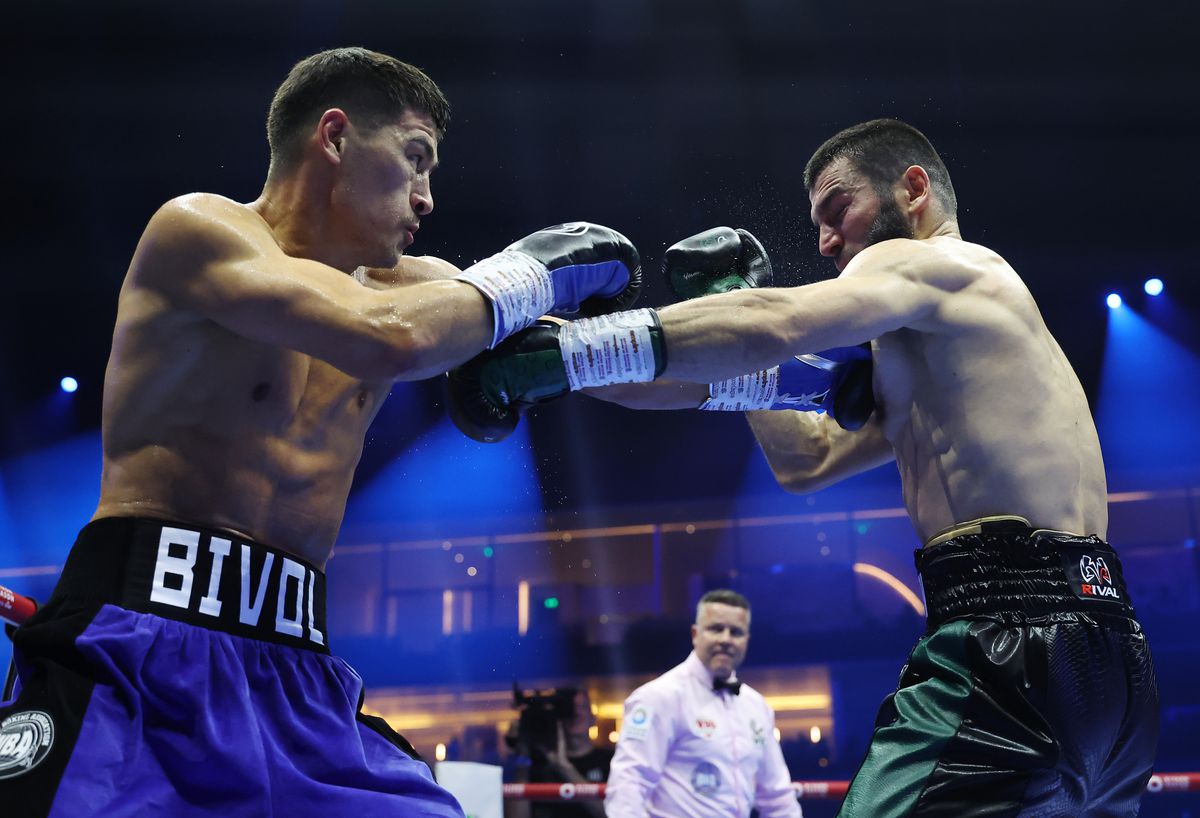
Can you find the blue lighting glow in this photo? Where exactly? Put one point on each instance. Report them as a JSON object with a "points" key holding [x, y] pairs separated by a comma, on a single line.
{"points": [[68, 384], [1113, 301], [1154, 286]]}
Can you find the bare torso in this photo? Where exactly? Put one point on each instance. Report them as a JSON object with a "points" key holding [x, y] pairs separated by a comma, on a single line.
{"points": [[985, 414], [205, 426]]}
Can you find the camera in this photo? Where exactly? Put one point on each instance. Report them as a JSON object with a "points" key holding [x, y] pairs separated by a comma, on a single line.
{"points": [[541, 711]]}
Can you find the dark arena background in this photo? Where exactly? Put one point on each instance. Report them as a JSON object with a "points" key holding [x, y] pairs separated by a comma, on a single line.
{"points": [[573, 553]]}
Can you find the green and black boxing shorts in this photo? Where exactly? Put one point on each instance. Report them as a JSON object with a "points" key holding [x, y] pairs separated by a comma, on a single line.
{"points": [[1032, 692]]}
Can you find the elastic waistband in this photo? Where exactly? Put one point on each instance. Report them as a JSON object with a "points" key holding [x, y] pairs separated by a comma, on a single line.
{"points": [[203, 577], [1003, 566]]}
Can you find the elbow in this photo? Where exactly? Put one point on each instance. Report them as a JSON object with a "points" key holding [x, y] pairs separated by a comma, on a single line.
{"points": [[802, 474], [797, 482], [805, 481]]}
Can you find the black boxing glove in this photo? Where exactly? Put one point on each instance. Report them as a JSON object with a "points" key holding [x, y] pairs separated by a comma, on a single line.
{"points": [[716, 261], [567, 268]]}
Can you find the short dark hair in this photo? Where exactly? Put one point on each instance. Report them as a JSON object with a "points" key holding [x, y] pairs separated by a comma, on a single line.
{"points": [[882, 150], [374, 87], [723, 596]]}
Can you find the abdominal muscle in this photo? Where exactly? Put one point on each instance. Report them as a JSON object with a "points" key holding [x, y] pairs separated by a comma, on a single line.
{"points": [[990, 422], [217, 431]]}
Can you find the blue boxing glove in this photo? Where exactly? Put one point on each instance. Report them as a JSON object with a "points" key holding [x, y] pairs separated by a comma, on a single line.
{"points": [[836, 381], [569, 268]]}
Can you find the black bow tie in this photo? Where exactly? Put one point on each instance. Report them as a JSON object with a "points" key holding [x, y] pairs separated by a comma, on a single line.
{"points": [[734, 687]]}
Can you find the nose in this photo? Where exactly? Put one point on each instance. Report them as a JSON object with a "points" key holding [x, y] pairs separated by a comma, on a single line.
{"points": [[830, 242], [422, 199]]}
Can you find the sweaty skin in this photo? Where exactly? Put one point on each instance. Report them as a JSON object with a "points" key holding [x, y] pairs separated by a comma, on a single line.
{"points": [[977, 402], [249, 356]]}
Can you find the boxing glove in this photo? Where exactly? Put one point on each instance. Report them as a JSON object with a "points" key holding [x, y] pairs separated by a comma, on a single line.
{"points": [[487, 395], [564, 269], [716, 261]]}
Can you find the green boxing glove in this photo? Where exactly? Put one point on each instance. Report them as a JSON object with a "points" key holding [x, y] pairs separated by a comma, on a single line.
{"points": [[487, 395], [716, 261]]}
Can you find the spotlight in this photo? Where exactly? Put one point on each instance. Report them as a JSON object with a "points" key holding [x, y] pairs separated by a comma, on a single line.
{"points": [[68, 384], [1154, 286], [1113, 301]]}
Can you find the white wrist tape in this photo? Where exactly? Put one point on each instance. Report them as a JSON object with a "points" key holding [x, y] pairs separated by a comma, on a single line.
{"points": [[519, 287], [609, 349], [757, 390]]}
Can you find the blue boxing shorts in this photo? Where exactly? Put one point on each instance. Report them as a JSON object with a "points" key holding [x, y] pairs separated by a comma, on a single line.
{"points": [[184, 672]]}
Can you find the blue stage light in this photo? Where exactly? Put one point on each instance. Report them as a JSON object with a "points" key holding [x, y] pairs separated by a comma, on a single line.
{"points": [[1154, 286], [68, 384], [1113, 301]]}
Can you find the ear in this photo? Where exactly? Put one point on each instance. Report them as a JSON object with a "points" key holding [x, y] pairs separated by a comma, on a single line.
{"points": [[917, 191], [695, 630], [331, 133]]}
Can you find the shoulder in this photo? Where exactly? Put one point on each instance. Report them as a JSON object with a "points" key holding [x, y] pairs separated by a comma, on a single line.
{"points": [[751, 695], [660, 692], [195, 210], [413, 270], [198, 229], [204, 219], [943, 261]]}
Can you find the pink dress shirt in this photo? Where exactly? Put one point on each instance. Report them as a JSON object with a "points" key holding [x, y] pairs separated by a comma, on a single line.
{"points": [[687, 751]]}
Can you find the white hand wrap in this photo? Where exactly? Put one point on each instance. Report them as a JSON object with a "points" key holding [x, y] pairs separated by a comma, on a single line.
{"points": [[517, 285], [609, 349], [757, 390]]}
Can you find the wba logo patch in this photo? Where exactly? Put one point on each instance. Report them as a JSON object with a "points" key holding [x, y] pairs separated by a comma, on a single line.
{"points": [[25, 740]]}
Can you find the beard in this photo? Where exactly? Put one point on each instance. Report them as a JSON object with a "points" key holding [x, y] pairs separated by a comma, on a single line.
{"points": [[890, 223]]}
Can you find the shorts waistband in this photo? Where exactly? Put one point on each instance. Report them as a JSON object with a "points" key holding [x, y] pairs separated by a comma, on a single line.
{"points": [[1004, 566], [204, 577]]}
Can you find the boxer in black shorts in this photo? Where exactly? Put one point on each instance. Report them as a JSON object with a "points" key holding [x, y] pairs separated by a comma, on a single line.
{"points": [[1033, 693]]}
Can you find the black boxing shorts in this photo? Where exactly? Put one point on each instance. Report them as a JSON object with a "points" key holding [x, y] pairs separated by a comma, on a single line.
{"points": [[1032, 692]]}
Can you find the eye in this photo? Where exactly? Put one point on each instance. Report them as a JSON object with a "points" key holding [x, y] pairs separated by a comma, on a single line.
{"points": [[416, 158]]}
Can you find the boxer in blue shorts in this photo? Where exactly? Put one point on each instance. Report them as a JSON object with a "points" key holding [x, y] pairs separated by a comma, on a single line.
{"points": [[182, 666]]}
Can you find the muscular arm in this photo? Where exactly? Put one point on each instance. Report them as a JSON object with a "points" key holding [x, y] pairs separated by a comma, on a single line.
{"points": [[891, 285], [807, 451], [411, 270], [660, 394], [217, 259]]}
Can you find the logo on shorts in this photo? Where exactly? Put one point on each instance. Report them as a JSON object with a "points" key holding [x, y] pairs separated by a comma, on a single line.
{"points": [[25, 739], [1097, 579], [706, 779]]}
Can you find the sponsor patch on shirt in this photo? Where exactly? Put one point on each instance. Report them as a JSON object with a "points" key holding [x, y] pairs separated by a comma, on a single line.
{"points": [[759, 731], [706, 779], [704, 727], [637, 725]]}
